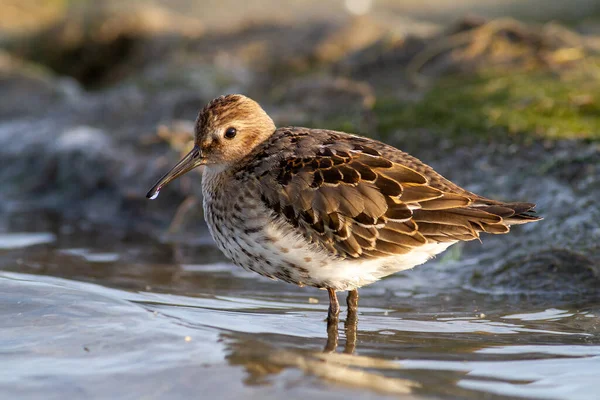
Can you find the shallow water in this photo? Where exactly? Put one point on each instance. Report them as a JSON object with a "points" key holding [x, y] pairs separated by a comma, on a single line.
{"points": [[88, 316]]}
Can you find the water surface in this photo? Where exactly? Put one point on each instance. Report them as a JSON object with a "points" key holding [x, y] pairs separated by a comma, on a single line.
{"points": [[93, 316]]}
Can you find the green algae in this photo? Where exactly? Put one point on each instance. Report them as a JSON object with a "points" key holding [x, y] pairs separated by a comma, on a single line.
{"points": [[493, 103]]}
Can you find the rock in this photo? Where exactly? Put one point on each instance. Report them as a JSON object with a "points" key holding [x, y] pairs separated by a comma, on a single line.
{"points": [[84, 155], [80, 163], [326, 102], [105, 42], [350, 37], [383, 63], [96, 173], [556, 273], [470, 45], [29, 89]]}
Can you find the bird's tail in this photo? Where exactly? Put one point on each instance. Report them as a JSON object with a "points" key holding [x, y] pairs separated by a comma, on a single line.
{"points": [[511, 213]]}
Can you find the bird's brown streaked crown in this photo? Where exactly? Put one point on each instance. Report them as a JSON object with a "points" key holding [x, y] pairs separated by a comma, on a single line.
{"points": [[251, 123]]}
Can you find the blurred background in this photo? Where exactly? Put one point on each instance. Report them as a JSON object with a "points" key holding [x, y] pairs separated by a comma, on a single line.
{"points": [[102, 290], [98, 97]]}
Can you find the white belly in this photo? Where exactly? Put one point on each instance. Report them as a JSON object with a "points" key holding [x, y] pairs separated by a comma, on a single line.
{"points": [[352, 274]]}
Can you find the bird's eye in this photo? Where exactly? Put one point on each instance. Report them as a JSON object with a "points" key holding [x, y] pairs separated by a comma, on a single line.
{"points": [[230, 133]]}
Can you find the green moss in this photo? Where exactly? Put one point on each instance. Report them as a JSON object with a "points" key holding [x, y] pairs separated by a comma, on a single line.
{"points": [[535, 103]]}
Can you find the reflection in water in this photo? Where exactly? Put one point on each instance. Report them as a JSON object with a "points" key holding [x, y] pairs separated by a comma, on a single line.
{"points": [[263, 361], [350, 327]]}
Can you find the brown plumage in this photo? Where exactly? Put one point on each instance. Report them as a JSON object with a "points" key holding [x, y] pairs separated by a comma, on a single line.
{"points": [[357, 197], [352, 208]]}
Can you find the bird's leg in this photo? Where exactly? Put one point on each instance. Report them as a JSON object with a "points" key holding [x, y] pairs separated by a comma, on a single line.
{"points": [[351, 321], [334, 306], [332, 322]]}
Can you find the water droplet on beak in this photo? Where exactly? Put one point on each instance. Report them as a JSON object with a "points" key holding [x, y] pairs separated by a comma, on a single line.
{"points": [[154, 195]]}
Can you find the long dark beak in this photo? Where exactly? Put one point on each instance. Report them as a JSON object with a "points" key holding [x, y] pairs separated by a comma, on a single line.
{"points": [[192, 160]]}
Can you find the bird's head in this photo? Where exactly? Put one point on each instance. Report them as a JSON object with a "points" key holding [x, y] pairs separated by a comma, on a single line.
{"points": [[226, 131]]}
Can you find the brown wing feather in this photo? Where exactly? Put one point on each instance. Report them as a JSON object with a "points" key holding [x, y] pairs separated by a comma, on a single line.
{"points": [[359, 198]]}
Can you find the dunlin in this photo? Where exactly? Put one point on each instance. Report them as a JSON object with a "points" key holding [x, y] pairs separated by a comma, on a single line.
{"points": [[323, 208]]}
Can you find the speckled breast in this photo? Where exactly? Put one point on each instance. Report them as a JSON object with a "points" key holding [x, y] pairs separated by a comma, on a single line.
{"points": [[245, 230]]}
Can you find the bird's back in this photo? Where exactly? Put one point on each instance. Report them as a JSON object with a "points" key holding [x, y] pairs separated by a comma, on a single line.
{"points": [[360, 198]]}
